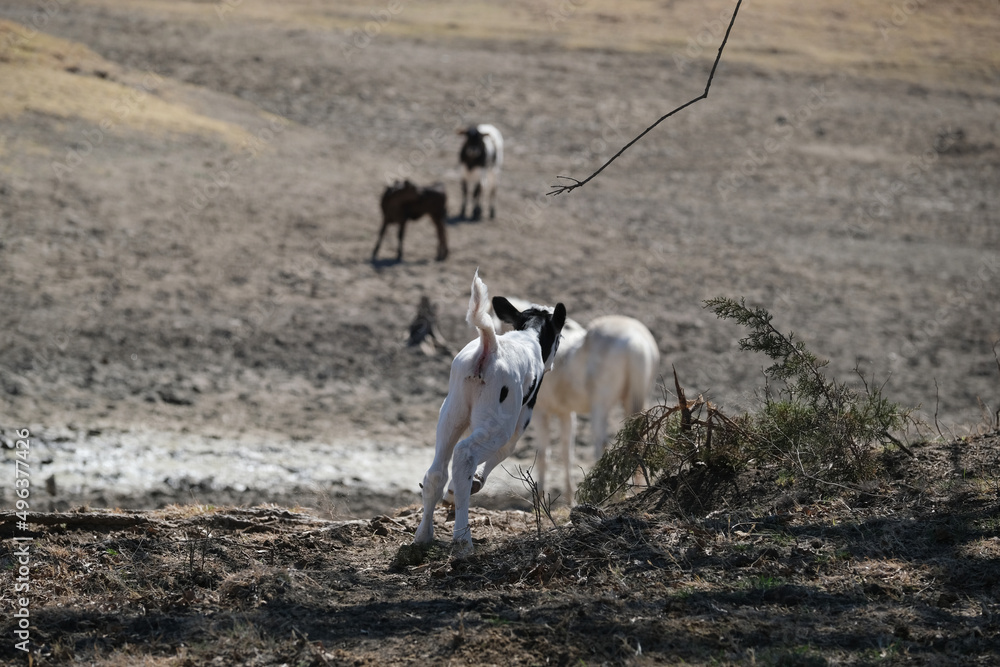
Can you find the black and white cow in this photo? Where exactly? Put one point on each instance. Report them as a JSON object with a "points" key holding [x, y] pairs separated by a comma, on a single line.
{"points": [[491, 393], [481, 157]]}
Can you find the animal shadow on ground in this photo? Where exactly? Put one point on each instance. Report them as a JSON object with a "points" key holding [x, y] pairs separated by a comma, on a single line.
{"points": [[379, 264], [459, 219]]}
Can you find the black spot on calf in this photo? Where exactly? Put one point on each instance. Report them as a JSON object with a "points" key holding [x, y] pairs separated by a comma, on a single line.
{"points": [[503, 394], [531, 393], [532, 396]]}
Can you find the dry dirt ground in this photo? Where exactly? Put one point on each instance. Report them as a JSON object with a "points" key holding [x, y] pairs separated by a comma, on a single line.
{"points": [[189, 198], [906, 572], [188, 202]]}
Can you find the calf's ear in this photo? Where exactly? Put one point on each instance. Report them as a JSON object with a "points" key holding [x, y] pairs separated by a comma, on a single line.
{"points": [[549, 335], [506, 311], [559, 317]]}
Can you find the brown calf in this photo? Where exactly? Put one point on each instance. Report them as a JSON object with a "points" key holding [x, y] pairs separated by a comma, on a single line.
{"points": [[402, 202]]}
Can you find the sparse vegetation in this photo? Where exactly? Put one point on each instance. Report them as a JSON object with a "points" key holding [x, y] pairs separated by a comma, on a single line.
{"points": [[183, 294], [541, 503], [818, 426], [809, 428], [839, 581]]}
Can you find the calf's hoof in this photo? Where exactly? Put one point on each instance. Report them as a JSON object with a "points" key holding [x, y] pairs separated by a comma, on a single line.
{"points": [[461, 548], [424, 536]]}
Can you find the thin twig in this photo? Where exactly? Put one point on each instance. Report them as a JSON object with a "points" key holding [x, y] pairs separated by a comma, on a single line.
{"points": [[898, 443], [541, 503], [559, 189], [937, 404]]}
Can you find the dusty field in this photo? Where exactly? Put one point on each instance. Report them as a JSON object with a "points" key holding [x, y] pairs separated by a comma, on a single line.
{"points": [[189, 198]]}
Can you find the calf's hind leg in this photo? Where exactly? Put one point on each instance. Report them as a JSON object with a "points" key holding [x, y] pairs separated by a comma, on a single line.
{"points": [[491, 190], [482, 445], [439, 224], [402, 230], [451, 425], [477, 197], [465, 195]]}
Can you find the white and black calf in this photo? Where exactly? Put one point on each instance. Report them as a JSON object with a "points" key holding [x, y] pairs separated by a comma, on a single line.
{"points": [[491, 393], [404, 201], [482, 158]]}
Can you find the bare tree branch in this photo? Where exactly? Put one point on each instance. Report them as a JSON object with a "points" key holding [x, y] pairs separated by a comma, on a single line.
{"points": [[559, 189]]}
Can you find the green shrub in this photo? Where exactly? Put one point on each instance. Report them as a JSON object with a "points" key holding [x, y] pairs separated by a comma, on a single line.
{"points": [[808, 426]]}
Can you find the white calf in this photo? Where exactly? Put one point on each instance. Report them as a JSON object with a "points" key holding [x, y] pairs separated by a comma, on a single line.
{"points": [[492, 390], [614, 362]]}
